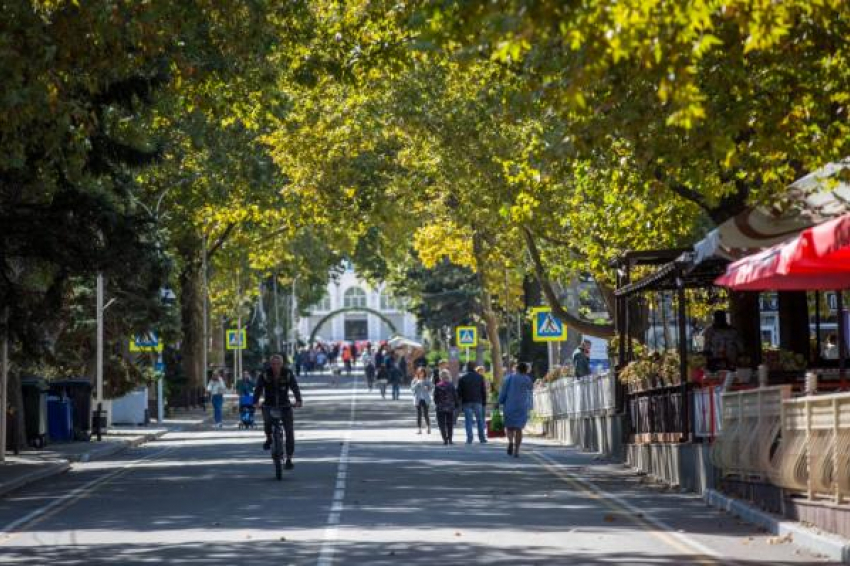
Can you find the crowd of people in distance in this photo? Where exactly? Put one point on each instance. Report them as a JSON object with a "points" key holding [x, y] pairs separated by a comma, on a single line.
{"points": [[469, 393]]}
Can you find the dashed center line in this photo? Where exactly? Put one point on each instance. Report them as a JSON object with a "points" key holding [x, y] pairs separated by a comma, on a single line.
{"points": [[326, 555]]}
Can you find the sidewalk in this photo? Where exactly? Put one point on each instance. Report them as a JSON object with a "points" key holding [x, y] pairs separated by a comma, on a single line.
{"points": [[35, 465], [635, 493]]}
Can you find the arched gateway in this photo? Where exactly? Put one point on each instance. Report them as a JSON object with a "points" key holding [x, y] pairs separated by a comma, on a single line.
{"points": [[345, 310]]}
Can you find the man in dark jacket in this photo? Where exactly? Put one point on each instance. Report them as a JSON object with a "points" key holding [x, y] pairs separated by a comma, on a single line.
{"points": [[472, 390], [274, 385]]}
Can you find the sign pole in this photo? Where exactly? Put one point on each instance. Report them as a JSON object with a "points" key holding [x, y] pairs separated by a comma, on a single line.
{"points": [[467, 355], [160, 402], [4, 385]]}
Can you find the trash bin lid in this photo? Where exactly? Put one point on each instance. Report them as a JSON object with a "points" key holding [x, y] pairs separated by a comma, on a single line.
{"points": [[70, 383], [38, 382]]}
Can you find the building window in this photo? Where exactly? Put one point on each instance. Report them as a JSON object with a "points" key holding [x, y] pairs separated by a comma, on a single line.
{"points": [[324, 304], [355, 297], [390, 303]]}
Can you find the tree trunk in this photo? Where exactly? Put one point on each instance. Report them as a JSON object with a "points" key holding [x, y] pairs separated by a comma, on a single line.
{"points": [[583, 326], [492, 323], [16, 421], [535, 353], [487, 312], [191, 321]]}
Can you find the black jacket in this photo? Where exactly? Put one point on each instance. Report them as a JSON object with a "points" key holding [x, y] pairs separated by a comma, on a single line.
{"points": [[472, 388], [445, 397], [276, 391]]}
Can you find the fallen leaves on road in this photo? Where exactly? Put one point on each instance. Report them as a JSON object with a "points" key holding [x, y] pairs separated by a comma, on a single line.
{"points": [[610, 518], [781, 539]]}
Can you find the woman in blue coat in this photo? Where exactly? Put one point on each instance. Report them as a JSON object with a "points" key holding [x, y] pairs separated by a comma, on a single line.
{"points": [[515, 398]]}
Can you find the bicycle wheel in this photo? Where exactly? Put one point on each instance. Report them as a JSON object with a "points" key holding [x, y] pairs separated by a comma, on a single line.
{"points": [[278, 468], [277, 450]]}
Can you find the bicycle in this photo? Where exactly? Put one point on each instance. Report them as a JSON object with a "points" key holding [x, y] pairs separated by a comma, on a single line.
{"points": [[276, 416]]}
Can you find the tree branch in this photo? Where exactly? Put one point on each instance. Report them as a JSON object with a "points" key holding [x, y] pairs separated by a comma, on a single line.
{"points": [[220, 240], [583, 326]]}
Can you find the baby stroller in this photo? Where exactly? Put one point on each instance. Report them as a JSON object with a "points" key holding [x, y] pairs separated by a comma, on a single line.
{"points": [[246, 411]]}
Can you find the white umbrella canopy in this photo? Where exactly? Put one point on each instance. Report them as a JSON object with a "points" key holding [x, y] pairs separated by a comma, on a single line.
{"points": [[819, 196], [399, 342]]}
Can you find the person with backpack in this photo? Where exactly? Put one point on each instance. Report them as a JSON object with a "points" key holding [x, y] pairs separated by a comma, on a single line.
{"points": [[446, 402]]}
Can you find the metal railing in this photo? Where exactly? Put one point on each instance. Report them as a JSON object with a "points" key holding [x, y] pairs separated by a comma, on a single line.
{"points": [[574, 397], [751, 421], [814, 452], [657, 415]]}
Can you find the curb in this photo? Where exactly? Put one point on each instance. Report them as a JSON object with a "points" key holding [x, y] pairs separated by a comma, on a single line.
{"points": [[56, 467], [49, 470], [829, 545]]}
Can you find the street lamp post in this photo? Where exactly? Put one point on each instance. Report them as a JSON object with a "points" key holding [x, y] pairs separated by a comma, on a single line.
{"points": [[99, 359], [99, 356]]}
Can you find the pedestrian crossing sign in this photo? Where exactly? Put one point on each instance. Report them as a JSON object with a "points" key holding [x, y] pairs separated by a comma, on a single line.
{"points": [[146, 343], [547, 327], [467, 337], [236, 339]]}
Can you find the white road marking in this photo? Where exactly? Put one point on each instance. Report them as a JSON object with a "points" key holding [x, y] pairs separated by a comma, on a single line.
{"points": [[70, 497], [326, 554]]}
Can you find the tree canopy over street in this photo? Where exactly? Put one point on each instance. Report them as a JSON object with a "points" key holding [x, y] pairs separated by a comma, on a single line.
{"points": [[430, 139]]}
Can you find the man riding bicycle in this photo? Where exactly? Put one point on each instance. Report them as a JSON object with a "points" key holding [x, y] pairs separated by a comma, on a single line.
{"points": [[274, 385]]}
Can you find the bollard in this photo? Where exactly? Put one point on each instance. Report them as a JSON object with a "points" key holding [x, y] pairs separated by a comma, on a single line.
{"points": [[763, 375]]}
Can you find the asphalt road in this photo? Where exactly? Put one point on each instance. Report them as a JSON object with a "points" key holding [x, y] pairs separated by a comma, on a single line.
{"points": [[366, 489]]}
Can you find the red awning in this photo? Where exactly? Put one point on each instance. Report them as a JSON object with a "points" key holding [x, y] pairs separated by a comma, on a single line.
{"points": [[818, 259], [824, 248]]}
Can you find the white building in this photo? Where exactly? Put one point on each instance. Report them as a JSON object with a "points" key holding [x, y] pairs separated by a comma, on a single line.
{"points": [[349, 291]]}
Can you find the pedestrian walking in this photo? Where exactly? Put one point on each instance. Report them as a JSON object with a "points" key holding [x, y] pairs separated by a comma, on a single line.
{"points": [[395, 377], [472, 391], [446, 403], [402, 368], [382, 380], [368, 367], [515, 397], [217, 388], [422, 388], [346, 359]]}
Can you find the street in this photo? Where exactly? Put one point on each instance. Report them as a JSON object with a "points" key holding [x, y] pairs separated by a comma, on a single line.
{"points": [[366, 489]]}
